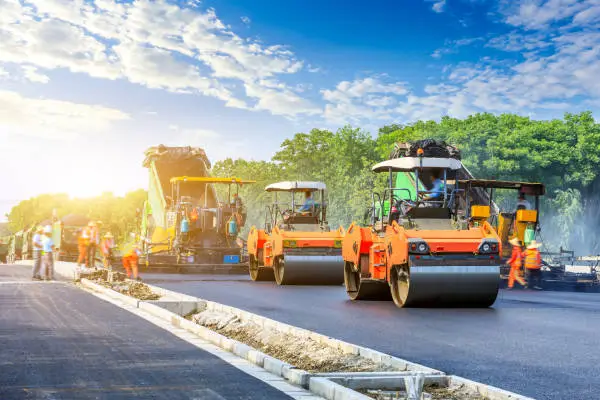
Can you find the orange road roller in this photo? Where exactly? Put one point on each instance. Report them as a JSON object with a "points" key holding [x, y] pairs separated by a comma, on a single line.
{"points": [[424, 246], [297, 246]]}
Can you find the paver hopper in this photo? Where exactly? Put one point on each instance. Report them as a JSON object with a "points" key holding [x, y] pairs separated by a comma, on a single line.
{"points": [[297, 246], [421, 249], [185, 225]]}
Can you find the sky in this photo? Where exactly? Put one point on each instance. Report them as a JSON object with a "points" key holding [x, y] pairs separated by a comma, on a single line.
{"points": [[87, 85]]}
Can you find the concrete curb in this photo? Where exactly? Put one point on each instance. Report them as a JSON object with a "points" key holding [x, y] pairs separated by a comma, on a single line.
{"points": [[332, 386], [110, 293], [347, 348]]}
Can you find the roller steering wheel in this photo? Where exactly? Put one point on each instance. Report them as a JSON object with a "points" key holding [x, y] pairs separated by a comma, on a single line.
{"points": [[403, 204]]}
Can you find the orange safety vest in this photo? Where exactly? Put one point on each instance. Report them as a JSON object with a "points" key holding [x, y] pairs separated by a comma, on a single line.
{"points": [[533, 259], [516, 257], [84, 238], [133, 253]]}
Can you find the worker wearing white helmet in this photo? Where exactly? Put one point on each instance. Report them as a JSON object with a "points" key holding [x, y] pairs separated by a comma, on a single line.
{"points": [[37, 253], [48, 254]]}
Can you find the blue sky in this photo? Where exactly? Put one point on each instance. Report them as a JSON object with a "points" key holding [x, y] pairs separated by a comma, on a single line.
{"points": [[87, 85]]}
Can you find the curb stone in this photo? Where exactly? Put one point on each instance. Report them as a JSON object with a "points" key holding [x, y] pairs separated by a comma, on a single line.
{"points": [[320, 384]]}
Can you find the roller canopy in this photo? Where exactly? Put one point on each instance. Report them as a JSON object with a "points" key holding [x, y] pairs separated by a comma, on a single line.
{"points": [[75, 220], [289, 186], [533, 189], [407, 164], [209, 179]]}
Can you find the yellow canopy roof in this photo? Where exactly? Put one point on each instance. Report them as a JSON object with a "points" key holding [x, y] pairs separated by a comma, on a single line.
{"points": [[210, 179]]}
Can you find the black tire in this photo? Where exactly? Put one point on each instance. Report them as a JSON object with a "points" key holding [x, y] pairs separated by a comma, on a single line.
{"points": [[258, 273], [400, 285], [279, 270], [352, 280]]}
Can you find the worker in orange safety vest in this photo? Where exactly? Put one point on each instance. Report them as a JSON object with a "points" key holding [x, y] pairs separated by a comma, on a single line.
{"points": [[130, 261], [515, 262], [533, 264], [83, 241]]}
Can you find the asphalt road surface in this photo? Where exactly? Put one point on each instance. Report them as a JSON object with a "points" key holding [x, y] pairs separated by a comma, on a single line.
{"points": [[542, 344], [58, 342]]}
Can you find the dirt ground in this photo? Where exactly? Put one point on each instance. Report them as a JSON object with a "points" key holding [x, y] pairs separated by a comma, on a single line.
{"points": [[430, 393], [130, 288], [306, 354]]}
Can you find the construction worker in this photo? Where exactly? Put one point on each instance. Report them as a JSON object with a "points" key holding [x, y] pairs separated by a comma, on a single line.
{"points": [[130, 261], [82, 243], [93, 243], [533, 264], [37, 253], [515, 262], [437, 190], [48, 254], [309, 203], [522, 203], [106, 247]]}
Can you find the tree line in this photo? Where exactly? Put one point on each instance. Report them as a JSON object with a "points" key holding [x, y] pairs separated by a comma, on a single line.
{"points": [[564, 154], [117, 213]]}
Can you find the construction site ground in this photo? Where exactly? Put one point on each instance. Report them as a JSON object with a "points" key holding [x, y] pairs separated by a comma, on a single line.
{"points": [[59, 342], [539, 344]]}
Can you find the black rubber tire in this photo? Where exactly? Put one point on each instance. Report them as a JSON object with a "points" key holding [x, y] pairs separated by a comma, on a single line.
{"points": [[258, 273], [400, 285], [279, 270]]}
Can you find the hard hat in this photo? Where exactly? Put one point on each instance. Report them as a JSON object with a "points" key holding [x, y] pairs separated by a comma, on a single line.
{"points": [[39, 228], [534, 244], [47, 229], [108, 235], [99, 222], [515, 241], [91, 223]]}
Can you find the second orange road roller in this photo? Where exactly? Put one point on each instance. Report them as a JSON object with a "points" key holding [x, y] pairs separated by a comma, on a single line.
{"points": [[297, 246], [424, 248]]}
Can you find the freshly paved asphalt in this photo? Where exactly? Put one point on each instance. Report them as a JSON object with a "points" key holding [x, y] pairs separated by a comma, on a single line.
{"points": [[58, 342], [542, 344]]}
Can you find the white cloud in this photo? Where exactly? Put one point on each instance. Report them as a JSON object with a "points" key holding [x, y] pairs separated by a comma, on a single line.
{"points": [[452, 46], [439, 6], [539, 14], [31, 74], [246, 20], [53, 118], [157, 44], [362, 100]]}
